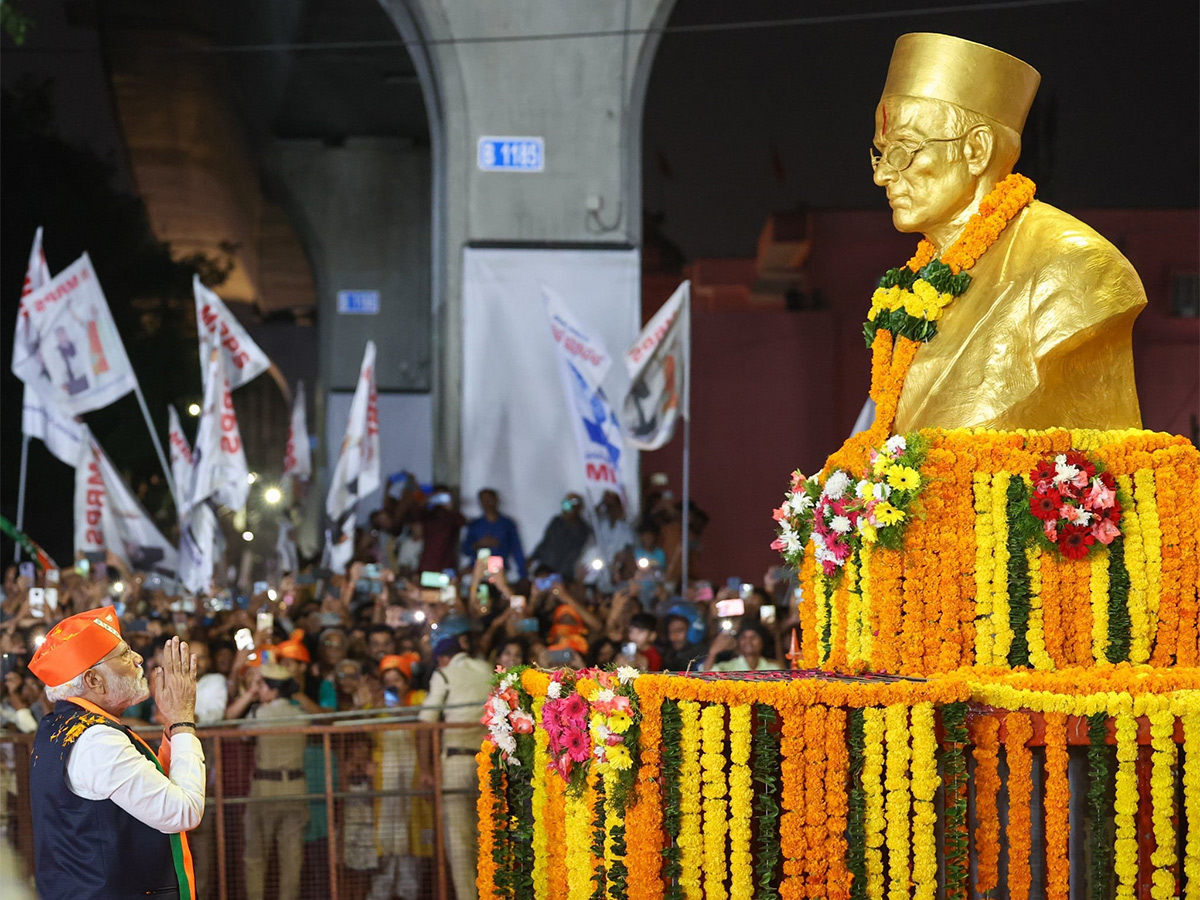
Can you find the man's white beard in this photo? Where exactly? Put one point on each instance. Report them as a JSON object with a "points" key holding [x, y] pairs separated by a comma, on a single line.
{"points": [[127, 691]]}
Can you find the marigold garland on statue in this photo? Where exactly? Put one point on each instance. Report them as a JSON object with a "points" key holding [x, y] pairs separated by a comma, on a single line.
{"points": [[985, 735], [690, 840], [1057, 800], [1125, 804], [741, 797], [1162, 796], [1097, 789], [899, 801], [1018, 731], [924, 787], [873, 756], [1191, 800]]}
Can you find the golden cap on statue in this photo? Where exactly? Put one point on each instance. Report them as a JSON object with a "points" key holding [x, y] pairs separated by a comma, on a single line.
{"points": [[970, 75]]}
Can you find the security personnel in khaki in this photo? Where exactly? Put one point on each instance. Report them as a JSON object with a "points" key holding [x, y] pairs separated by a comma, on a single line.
{"points": [[457, 692], [271, 818]]}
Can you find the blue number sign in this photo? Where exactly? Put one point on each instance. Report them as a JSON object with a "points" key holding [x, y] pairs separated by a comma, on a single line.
{"points": [[512, 154]]}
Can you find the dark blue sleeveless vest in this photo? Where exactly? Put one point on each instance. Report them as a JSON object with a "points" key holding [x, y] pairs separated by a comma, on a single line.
{"points": [[89, 849]]}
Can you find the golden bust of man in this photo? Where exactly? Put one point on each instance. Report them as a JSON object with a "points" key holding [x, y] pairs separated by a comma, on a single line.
{"points": [[1042, 337]]}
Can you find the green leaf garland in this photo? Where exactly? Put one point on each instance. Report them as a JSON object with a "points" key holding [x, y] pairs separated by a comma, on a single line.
{"points": [[1018, 574], [1099, 809], [1120, 629], [856, 818], [767, 777], [672, 763], [954, 768]]}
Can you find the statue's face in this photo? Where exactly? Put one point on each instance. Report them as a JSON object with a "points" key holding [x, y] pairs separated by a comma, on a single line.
{"points": [[938, 184]]}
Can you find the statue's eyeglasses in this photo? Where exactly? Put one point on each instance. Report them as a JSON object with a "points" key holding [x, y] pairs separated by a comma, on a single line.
{"points": [[900, 156]]}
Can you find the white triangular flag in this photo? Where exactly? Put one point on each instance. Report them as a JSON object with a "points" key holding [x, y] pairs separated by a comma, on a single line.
{"points": [[358, 467], [657, 363], [297, 458], [218, 328], [219, 467], [109, 518], [67, 344]]}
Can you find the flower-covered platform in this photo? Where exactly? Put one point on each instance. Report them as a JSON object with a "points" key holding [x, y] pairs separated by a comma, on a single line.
{"points": [[807, 784]]}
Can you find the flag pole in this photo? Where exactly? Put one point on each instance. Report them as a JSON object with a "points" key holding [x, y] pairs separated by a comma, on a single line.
{"points": [[162, 457], [687, 451], [21, 495]]}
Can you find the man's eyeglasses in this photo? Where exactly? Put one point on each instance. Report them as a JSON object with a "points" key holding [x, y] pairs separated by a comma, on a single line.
{"points": [[900, 156]]}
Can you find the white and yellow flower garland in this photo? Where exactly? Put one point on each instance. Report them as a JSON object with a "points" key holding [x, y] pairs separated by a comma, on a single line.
{"points": [[925, 782], [690, 842], [872, 781], [741, 797], [1125, 805], [716, 826], [899, 800]]}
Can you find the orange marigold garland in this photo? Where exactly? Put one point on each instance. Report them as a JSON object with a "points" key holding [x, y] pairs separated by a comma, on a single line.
{"points": [[837, 771], [985, 735], [1057, 803], [792, 838], [1188, 514], [1018, 731], [485, 880], [815, 811], [643, 821], [1168, 609]]}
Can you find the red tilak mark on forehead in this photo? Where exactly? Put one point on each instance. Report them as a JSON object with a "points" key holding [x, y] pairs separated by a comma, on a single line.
{"points": [[885, 120]]}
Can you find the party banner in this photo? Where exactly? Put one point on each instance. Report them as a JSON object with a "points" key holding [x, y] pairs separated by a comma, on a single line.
{"points": [[219, 329], [583, 361], [657, 364], [517, 433], [41, 417], [297, 457], [358, 467], [219, 467], [67, 344], [109, 518]]}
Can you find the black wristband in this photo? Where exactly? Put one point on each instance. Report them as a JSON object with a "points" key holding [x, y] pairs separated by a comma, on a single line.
{"points": [[171, 728]]}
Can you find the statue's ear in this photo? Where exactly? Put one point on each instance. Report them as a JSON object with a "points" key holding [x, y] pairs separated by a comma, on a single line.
{"points": [[979, 147]]}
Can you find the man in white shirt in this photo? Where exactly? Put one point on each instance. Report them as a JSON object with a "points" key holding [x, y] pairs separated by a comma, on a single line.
{"points": [[108, 813]]}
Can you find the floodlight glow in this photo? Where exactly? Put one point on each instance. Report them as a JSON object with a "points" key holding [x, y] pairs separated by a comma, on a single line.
{"points": [[193, 409], [247, 536], [272, 495]]}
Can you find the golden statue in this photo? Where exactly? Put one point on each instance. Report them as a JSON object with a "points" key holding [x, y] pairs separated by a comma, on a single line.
{"points": [[1042, 337]]}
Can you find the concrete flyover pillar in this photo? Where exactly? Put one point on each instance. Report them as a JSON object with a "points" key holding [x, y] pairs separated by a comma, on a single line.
{"points": [[573, 73]]}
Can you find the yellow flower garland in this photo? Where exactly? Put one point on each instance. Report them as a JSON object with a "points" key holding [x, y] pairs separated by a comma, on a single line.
{"points": [[1001, 628], [866, 619], [741, 796], [1135, 565], [1145, 494], [899, 800], [1098, 592], [925, 783], [716, 825], [872, 780], [985, 542], [690, 843], [1125, 806], [579, 845], [1038, 654], [1191, 800], [541, 758], [1162, 797]]}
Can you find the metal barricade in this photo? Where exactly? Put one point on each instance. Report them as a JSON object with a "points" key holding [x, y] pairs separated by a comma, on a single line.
{"points": [[369, 788]]}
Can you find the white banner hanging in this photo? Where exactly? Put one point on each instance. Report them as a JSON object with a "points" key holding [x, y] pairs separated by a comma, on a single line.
{"points": [[516, 429]]}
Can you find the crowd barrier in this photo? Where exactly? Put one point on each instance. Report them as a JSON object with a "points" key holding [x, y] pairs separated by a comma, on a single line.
{"points": [[361, 818]]}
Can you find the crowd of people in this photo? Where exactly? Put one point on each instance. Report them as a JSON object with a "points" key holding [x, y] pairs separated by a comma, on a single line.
{"points": [[430, 606]]}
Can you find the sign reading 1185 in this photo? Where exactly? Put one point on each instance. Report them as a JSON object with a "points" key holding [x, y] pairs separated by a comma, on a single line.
{"points": [[512, 154]]}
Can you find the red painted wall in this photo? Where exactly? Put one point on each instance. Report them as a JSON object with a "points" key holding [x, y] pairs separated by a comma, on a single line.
{"points": [[774, 390]]}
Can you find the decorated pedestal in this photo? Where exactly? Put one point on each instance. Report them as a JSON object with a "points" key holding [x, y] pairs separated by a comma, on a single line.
{"points": [[807, 785], [1040, 549]]}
